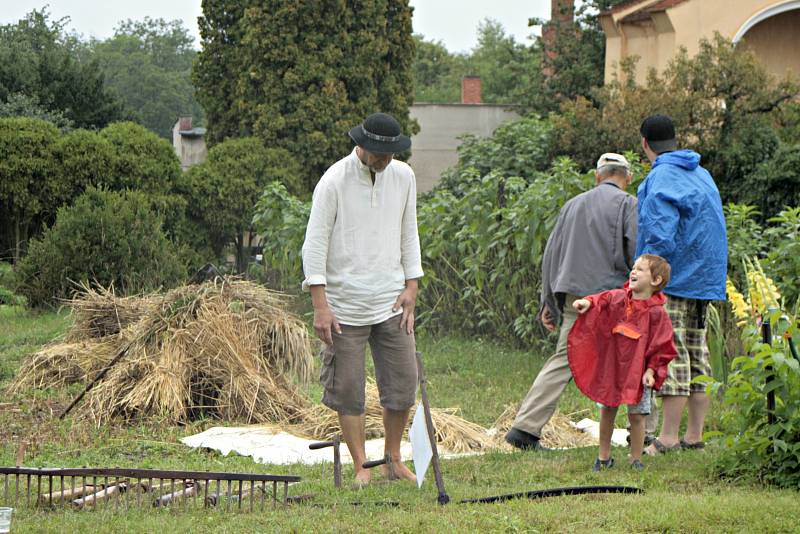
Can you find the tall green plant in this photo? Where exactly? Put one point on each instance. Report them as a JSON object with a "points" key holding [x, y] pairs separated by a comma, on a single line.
{"points": [[755, 446]]}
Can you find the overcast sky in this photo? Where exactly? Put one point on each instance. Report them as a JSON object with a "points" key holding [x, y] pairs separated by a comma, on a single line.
{"points": [[454, 22]]}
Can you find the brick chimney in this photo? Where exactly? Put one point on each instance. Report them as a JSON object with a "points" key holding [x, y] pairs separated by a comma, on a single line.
{"points": [[562, 15], [471, 90], [185, 124]]}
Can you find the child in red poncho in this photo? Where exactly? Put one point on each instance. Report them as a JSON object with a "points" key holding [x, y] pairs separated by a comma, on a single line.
{"points": [[620, 347]]}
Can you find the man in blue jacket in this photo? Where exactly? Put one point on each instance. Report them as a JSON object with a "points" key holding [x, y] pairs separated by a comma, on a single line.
{"points": [[680, 219]]}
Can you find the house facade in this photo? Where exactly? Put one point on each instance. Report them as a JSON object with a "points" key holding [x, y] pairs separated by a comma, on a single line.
{"points": [[654, 30]]}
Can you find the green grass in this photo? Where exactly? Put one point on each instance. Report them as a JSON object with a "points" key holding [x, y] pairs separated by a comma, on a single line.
{"points": [[479, 377]]}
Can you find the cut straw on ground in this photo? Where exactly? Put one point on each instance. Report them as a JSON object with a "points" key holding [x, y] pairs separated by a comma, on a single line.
{"points": [[226, 349]]}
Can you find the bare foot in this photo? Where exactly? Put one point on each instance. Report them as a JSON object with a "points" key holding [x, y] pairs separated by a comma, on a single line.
{"points": [[362, 478], [401, 472]]}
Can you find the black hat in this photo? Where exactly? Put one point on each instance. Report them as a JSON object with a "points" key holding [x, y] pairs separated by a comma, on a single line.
{"points": [[659, 131], [380, 133]]}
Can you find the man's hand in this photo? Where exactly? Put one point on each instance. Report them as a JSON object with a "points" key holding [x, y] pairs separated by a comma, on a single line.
{"points": [[324, 319], [547, 319], [324, 322], [648, 379], [407, 300], [582, 305]]}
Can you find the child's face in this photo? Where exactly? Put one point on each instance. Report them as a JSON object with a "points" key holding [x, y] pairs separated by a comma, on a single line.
{"points": [[641, 279]]}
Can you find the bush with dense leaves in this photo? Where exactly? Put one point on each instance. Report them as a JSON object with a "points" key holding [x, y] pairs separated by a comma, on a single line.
{"points": [[108, 238], [755, 446]]}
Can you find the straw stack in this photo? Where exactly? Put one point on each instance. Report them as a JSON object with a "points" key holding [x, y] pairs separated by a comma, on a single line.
{"points": [[226, 349]]}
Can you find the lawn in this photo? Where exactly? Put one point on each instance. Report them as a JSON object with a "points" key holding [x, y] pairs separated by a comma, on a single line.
{"points": [[478, 376]]}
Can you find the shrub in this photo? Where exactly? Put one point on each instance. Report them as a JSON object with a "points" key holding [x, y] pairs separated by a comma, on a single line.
{"points": [[757, 446], [140, 159], [519, 148], [106, 237]]}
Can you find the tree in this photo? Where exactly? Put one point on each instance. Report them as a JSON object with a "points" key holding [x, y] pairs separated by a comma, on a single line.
{"points": [[29, 187], [299, 75], [140, 159], [19, 105], [722, 100], [38, 60], [148, 64], [437, 72], [573, 61], [222, 192]]}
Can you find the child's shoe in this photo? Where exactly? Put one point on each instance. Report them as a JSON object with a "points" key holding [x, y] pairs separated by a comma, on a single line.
{"points": [[602, 464], [637, 465]]}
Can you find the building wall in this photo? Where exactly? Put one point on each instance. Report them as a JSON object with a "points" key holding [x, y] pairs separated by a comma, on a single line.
{"points": [[657, 39], [192, 150], [776, 41], [433, 149]]}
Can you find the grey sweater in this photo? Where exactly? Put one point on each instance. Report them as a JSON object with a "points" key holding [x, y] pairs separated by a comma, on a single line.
{"points": [[591, 248]]}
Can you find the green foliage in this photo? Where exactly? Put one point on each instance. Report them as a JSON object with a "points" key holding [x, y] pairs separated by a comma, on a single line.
{"points": [[482, 259], [775, 182], [29, 185], [733, 138], [745, 239], [519, 148], [569, 59], [783, 256], [757, 448], [140, 160], [148, 64], [505, 66], [83, 158], [223, 190], [281, 219], [105, 237], [300, 75], [19, 105], [38, 60]]}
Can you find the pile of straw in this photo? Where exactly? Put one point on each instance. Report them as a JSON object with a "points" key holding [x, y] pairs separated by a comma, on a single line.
{"points": [[453, 433], [226, 349], [98, 312], [558, 433]]}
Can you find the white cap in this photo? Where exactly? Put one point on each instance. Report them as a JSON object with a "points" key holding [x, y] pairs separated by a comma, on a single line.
{"points": [[610, 158]]}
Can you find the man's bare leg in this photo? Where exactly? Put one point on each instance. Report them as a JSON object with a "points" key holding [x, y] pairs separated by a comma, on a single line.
{"points": [[699, 403], [672, 407], [354, 435], [394, 423]]}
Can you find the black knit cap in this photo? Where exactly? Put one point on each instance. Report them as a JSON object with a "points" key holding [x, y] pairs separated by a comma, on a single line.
{"points": [[659, 131], [380, 133]]}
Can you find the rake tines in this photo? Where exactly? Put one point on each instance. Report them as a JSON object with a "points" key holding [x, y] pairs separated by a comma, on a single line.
{"points": [[92, 488]]}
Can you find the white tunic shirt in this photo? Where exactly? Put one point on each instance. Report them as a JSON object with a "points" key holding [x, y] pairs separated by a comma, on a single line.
{"points": [[362, 242]]}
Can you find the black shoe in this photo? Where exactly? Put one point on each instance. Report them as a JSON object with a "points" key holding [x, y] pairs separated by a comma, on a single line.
{"points": [[637, 465], [602, 464], [524, 440]]}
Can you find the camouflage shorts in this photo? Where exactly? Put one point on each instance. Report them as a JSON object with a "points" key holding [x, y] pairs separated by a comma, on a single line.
{"points": [[688, 318]]}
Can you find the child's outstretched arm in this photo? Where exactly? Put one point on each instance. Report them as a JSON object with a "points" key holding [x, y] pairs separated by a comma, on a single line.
{"points": [[582, 305]]}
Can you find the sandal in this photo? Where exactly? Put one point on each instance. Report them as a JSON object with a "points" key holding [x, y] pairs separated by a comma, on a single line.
{"points": [[697, 445], [661, 448]]}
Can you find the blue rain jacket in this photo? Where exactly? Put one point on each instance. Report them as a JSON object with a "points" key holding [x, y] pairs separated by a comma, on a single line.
{"points": [[681, 220]]}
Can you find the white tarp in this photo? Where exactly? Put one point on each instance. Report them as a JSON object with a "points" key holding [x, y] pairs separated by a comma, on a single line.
{"points": [[271, 446]]}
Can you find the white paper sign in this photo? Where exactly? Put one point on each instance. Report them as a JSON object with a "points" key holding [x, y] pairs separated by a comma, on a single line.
{"points": [[420, 444]]}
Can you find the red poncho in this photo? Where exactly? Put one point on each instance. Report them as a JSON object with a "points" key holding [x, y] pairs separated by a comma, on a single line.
{"points": [[615, 341]]}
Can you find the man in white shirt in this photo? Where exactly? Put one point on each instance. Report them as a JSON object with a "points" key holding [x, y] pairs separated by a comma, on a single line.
{"points": [[361, 260]]}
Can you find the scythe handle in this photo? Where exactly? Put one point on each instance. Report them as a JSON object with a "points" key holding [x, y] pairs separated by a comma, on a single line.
{"points": [[437, 470]]}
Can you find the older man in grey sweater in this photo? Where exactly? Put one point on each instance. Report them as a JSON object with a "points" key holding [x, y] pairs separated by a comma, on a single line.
{"points": [[591, 249]]}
